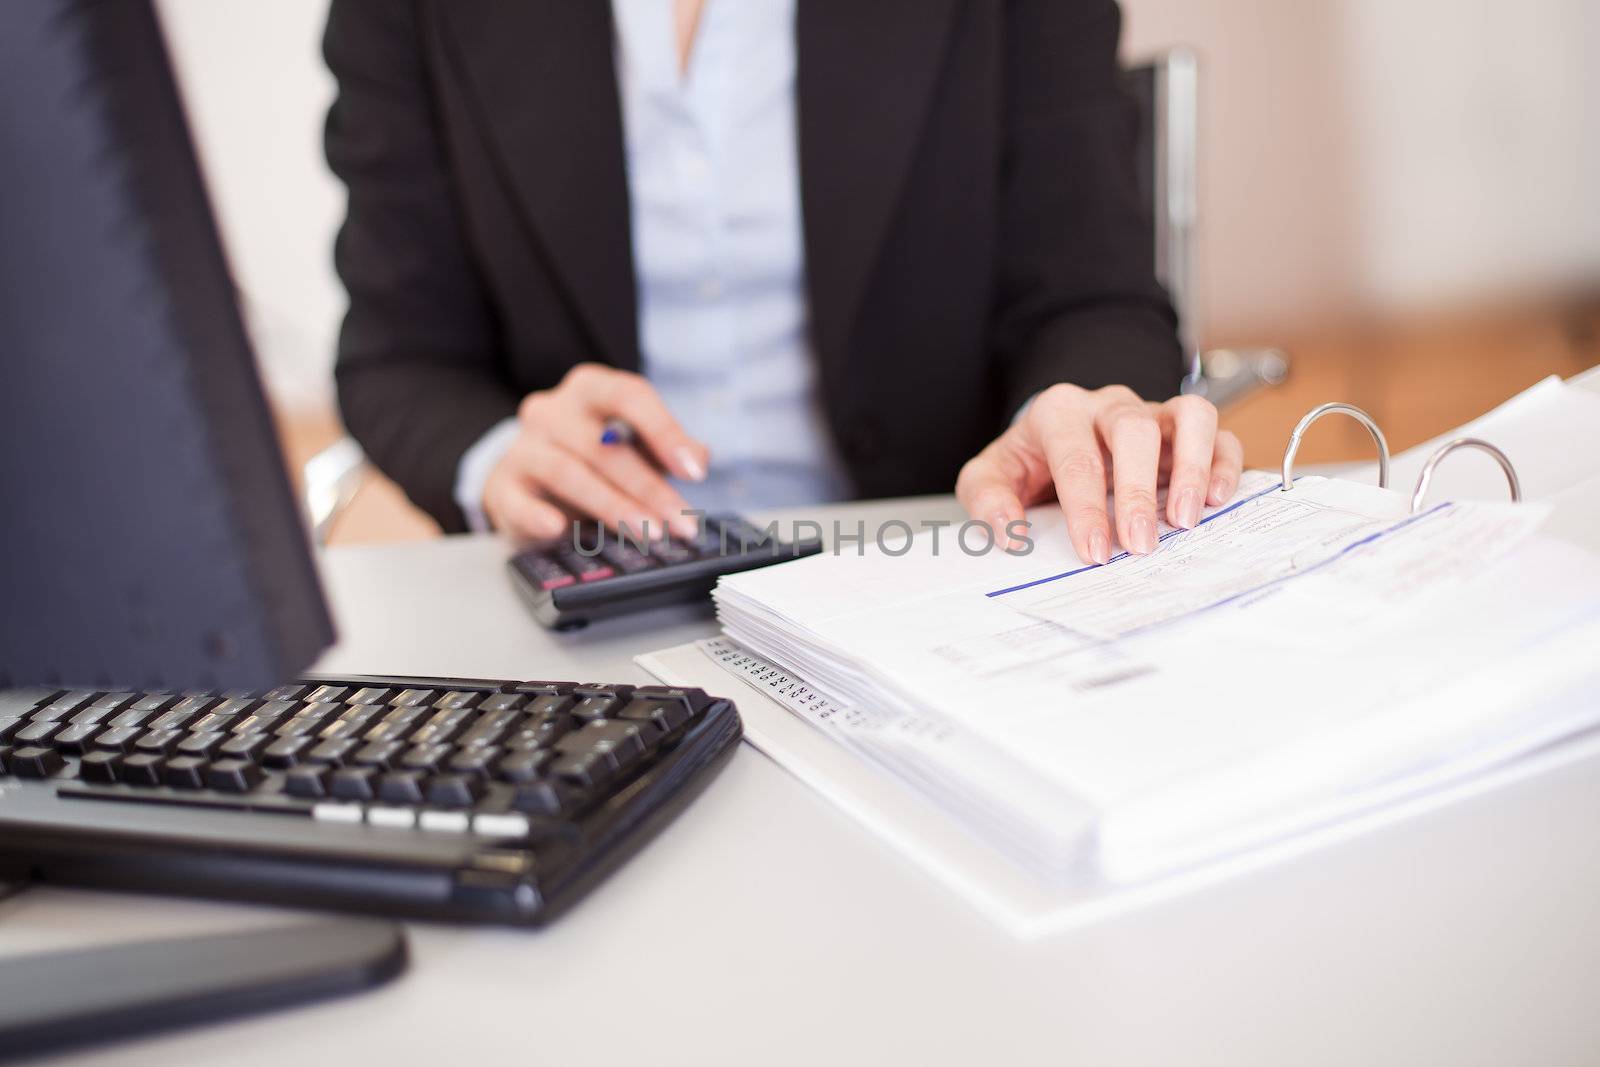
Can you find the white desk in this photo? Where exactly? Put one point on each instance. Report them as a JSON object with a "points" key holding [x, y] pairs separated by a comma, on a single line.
{"points": [[764, 927]]}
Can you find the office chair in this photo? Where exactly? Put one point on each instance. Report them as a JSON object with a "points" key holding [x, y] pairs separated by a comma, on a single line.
{"points": [[1167, 91]]}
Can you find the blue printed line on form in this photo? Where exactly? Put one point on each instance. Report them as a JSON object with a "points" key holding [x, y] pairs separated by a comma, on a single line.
{"points": [[1123, 555]]}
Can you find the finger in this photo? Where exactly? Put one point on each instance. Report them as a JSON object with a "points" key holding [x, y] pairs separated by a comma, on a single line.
{"points": [[1227, 464], [988, 489], [571, 480], [628, 471], [618, 393], [1190, 423], [1133, 437], [523, 517], [1066, 436]]}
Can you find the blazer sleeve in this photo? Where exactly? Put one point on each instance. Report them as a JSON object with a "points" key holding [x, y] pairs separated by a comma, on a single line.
{"points": [[419, 371], [1077, 298]]}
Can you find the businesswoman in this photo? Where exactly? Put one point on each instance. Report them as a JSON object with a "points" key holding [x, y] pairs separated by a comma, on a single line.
{"points": [[809, 249]]}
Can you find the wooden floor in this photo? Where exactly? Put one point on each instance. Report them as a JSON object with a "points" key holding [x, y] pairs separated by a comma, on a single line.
{"points": [[1417, 380]]}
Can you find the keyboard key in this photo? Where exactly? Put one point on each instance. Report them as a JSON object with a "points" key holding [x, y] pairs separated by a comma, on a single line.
{"points": [[267, 717], [353, 783], [9, 727], [285, 693], [621, 742], [118, 739], [37, 733], [412, 698], [496, 702], [524, 766], [63, 706], [455, 791], [286, 751], [328, 694], [184, 712], [667, 714], [457, 700], [402, 787], [338, 812], [34, 761], [476, 760], [546, 797], [142, 768], [443, 727], [18, 703], [490, 729], [215, 721], [234, 775], [235, 706], [337, 751], [391, 818], [93, 715], [310, 780], [351, 723], [76, 738], [595, 707], [185, 772], [425, 757], [202, 744], [379, 754], [500, 824], [110, 704], [370, 695], [143, 711], [445, 822], [99, 766], [160, 741], [540, 732], [586, 768], [245, 747]]}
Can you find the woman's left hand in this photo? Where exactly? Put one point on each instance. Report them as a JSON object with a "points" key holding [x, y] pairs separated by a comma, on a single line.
{"points": [[1069, 438]]}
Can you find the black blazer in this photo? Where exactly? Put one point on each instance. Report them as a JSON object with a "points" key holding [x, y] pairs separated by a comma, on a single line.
{"points": [[972, 227]]}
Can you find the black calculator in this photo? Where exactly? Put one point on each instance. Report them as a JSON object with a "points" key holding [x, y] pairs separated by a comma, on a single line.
{"points": [[596, 573]]}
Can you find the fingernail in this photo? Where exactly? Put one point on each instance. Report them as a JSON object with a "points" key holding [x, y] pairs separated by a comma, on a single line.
{"points": [[690, 465], [997, 526], [1189, 508], [1099, 547], [685, 527], [1142, 532], [1219, 490]]}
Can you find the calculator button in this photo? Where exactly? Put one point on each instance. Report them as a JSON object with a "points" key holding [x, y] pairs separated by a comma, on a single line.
{"points": [[587, 568], [544, 572], [625, 558]]}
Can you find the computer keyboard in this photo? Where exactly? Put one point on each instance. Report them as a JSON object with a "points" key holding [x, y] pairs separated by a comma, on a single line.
{"points": [[568, 588], [434, 798]]}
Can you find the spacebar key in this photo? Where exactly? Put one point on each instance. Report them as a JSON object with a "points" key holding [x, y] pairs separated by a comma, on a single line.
{"points": [[270, 804]]}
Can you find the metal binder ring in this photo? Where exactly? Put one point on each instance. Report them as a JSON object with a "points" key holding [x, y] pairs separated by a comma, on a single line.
{"points": [[1464, 442], [1343, 409]]}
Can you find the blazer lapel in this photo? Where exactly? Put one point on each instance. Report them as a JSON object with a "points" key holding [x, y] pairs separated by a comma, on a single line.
{"points": [[867, 69], [544, 76]]}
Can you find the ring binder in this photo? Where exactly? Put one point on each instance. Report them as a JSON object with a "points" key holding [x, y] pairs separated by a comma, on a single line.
{"points": [[1340, 409], [1448, 447]]}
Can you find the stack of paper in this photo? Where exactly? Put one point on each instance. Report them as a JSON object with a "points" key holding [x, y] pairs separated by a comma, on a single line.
{"points": [[1300, 656]]}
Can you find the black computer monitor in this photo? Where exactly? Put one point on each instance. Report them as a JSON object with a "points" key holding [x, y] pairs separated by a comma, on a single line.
{"points": [[149, 537]]}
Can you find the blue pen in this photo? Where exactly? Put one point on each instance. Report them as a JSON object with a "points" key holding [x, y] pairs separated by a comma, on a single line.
{"points": [[616, 432]]}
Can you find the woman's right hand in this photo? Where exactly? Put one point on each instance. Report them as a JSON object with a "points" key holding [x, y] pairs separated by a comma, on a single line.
{"points": [[557, 468]]}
